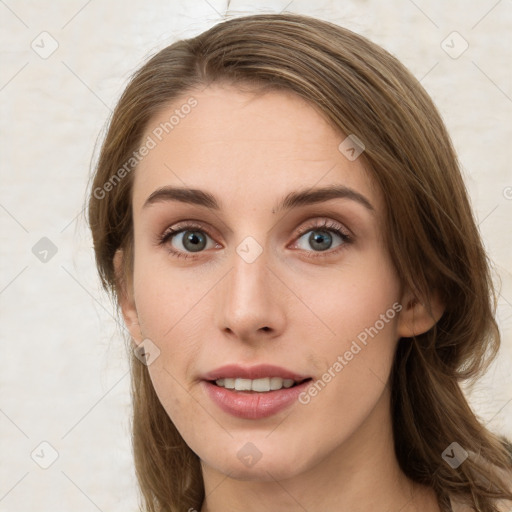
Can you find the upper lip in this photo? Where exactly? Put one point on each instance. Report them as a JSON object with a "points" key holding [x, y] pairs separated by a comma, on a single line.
{"points": [[259, 371]]}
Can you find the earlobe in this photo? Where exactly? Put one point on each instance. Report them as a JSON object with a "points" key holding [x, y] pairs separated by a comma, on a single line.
{"points": [[125, 297], [416, 318]]}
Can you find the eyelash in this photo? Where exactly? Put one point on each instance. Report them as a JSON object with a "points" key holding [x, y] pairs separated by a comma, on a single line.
{"points": [[326, 225]]}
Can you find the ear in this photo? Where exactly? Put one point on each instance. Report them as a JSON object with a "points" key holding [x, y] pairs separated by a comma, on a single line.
{"points": [[415, 317], [125, 297]]}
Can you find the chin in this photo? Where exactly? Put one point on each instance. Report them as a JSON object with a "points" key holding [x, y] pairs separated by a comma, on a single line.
{"points": [[268, 471], [265, 464]]}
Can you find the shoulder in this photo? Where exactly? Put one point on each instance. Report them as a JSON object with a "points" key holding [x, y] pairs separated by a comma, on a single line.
{"points": [[458, 505], [505, 506]]}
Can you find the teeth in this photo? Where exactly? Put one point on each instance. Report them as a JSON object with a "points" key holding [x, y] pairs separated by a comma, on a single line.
{"points": [[261, 385], [258, 385], [276, 383], [229, 383], [243, 384]]}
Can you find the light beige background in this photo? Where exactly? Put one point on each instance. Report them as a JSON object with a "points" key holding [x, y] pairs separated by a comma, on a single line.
{"points": [[63, 376]]}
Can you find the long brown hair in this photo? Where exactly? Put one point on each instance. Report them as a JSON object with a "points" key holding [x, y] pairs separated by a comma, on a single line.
{"points": [[430, 233]]}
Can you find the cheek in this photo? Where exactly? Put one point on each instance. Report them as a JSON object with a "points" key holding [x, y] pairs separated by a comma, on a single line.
{"points": [[167, 298], [357, 300], [361, 309], [171, 312], [177, 400]]}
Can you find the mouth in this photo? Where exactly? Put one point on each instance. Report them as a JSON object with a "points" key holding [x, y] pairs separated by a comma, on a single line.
{"points": [[263, 385], [254, 392]]}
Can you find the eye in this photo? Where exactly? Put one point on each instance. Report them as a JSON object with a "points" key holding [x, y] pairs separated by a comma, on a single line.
{"points": [[183, 240], [186, 240], [322, 237], [192, 241]]}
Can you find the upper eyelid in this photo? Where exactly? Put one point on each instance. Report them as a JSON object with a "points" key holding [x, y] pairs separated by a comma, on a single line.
{"points": [[327, 224]]}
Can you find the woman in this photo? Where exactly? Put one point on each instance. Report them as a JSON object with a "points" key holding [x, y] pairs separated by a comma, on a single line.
{"points": [[279, 213]]}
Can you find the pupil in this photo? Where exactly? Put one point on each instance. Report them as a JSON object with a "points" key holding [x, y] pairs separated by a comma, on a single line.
{"points": [[321, 239], [196, 239]]}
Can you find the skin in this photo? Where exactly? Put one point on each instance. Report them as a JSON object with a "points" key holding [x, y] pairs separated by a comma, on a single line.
{"points": [[285, 308]]}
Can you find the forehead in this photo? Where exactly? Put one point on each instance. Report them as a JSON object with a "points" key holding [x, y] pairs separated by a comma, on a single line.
{"points": [[246, 148]]}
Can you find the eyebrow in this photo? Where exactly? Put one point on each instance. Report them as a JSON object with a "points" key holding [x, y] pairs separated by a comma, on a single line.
{"points": [[291, 200]]}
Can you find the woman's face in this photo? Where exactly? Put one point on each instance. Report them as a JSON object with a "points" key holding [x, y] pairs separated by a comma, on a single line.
{"points": [[277, 271]]}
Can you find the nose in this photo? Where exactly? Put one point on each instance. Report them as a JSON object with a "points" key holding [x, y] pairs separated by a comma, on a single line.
{"points": [[250, 305]]}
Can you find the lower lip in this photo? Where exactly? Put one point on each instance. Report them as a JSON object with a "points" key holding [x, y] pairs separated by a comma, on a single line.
{"points": [[254, 405]]}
